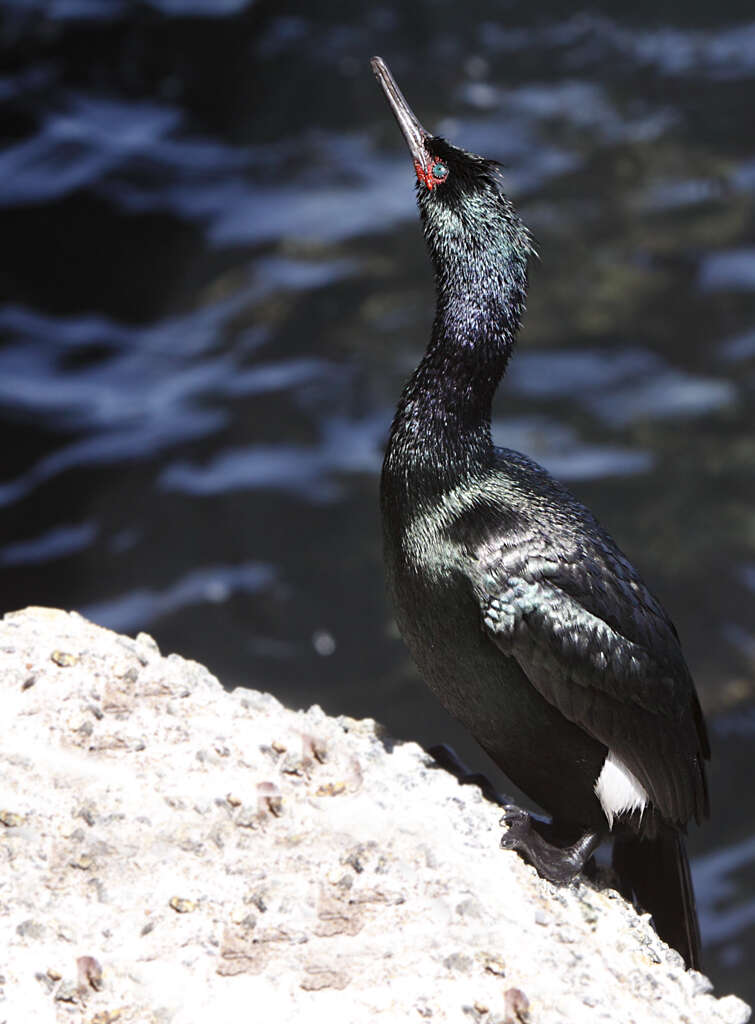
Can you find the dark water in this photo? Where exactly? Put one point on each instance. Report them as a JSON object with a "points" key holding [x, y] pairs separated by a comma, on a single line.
{"points": [[212, 284]]}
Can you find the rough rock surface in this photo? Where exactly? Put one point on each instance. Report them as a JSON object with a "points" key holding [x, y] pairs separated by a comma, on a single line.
{"points": [[172, 852]]}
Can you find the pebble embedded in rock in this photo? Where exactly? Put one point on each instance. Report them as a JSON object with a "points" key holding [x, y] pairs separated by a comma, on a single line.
{"points": [[181, 905], [66, 992], [516, 1006], [10, 819], [64, 659], [90, 973], [31, 929]]}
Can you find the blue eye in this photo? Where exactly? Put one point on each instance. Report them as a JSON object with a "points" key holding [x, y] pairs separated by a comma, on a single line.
{"points": [[439, 171]]}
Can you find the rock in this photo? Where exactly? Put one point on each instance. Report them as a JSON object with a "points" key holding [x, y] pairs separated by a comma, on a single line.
{"points": [[178, 852]]}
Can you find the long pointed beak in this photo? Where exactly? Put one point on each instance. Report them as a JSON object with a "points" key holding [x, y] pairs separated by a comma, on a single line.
{"points": [[412, 130]]}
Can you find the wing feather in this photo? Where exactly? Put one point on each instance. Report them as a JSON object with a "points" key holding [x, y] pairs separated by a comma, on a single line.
{"points": [[588, 634]]}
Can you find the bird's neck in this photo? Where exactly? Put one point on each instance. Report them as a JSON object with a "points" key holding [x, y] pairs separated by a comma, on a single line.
{"points": [[440, 436]]}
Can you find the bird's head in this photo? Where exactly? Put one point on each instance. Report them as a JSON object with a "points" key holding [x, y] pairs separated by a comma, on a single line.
{"points": [[465, 213]]}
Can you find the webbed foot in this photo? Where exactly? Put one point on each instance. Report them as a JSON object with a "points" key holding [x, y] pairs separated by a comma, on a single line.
{"points": [[558, 864]]}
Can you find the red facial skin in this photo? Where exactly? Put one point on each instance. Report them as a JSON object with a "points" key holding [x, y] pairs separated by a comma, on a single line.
{"points": [[425, 174]]}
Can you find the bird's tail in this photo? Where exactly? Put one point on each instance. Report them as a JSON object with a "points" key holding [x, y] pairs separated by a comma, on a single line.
{"points": [[654, 873]]}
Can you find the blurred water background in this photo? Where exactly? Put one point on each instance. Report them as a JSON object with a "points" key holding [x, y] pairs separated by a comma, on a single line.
{"points": [[213, 284]]}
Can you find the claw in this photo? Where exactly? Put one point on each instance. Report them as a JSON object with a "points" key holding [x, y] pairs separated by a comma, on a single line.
{"points": [[513, 815]]}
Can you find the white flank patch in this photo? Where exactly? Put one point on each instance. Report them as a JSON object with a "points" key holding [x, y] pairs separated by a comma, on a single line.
{"points": [[618, 790]]}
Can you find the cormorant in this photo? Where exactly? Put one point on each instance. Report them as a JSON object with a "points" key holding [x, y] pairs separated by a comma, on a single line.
{"points": [[522, 614]]}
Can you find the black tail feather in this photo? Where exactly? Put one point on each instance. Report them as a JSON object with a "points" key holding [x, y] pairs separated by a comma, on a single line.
{"points": [[654, 873]]}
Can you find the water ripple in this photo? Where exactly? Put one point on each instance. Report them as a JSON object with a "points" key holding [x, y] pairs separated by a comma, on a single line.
{"points": [[619, 386], [214, 584], [562, 453], [730, 270], [59, 542], [311, 472]]}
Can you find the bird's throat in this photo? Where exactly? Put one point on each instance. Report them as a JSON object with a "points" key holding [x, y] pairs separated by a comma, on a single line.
{"points": [[441, 436]]}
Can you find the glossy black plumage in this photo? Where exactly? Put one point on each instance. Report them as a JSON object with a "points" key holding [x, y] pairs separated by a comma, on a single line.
{"points": [[524, 617]]}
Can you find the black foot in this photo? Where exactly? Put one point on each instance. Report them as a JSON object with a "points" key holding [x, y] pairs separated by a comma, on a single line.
{"points": [[559, 864]]}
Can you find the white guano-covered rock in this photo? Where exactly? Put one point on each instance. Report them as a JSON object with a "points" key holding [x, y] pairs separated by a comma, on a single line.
{"points": [[171, 852]]}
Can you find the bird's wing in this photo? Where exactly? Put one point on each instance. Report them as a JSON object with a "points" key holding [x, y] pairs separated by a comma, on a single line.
{"points": [[596, 644]]}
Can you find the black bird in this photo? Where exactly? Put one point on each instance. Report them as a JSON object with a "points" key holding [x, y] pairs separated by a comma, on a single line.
{"points": [[522, 614]]}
